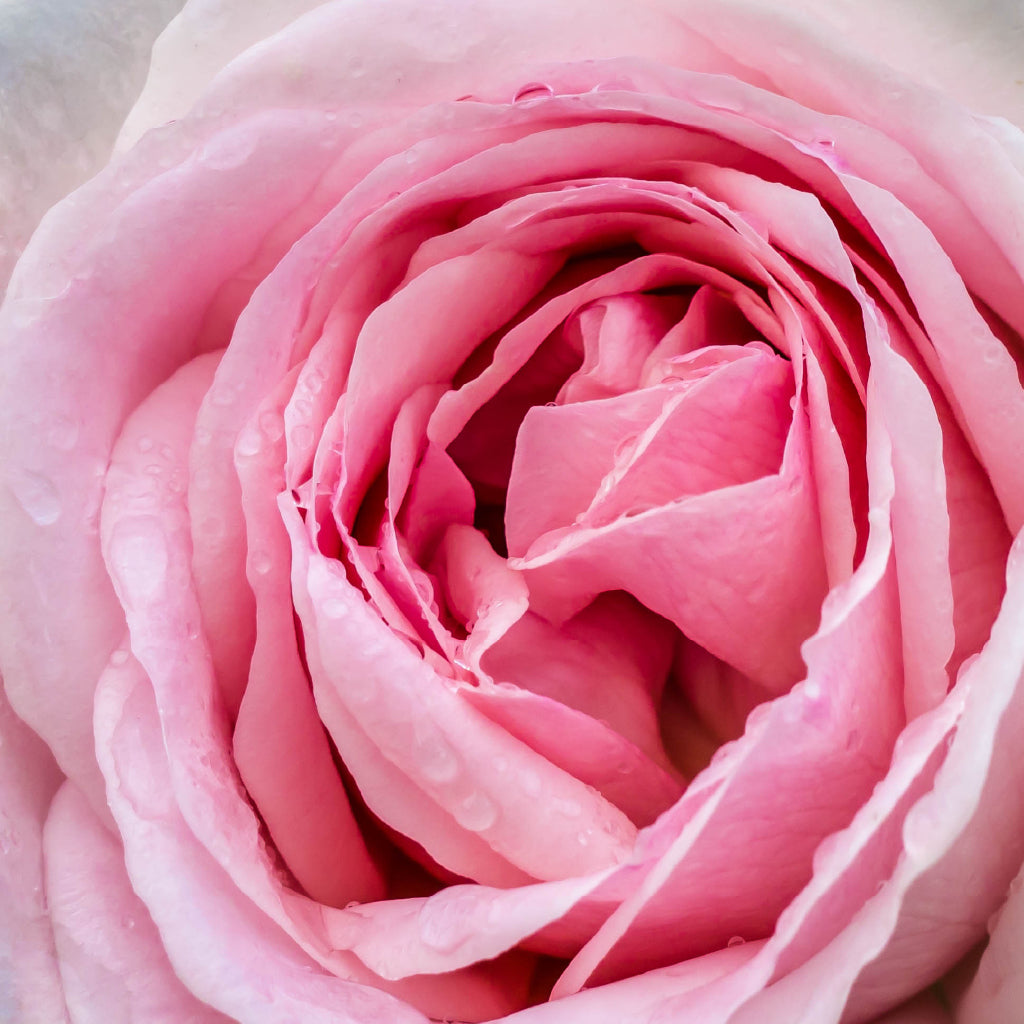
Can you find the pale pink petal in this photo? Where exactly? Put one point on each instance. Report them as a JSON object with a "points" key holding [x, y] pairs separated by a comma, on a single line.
{"points": [[626, 775], [56, 323], [961, 846], [220, 944], [112, 959], [30, 982]]}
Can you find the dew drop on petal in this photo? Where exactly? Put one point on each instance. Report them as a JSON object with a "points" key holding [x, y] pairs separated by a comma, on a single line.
{"points": [[138, 555], [63, 434], [249, 443], [476, 812], [435, 758], [570, 808], [335, 608], [272, 425], [261, 562], [302, 437], [737, 940], [533, 91], [444, 925], [38, 496]]}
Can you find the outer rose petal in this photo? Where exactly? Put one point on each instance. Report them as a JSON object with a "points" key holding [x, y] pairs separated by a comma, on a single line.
{"points": [[30, 988], [968, 48], [112, 960], [69, 71]]}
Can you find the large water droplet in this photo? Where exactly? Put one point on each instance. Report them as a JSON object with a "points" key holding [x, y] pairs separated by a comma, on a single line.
{"points": [[435, 758], [302, 437], [570, 808], [626, 448], [38, 496], [261, 562], [271, 424], [335, 608], [446, 923], [138, 555], [476, 812], [249, 443], [533, 91]]}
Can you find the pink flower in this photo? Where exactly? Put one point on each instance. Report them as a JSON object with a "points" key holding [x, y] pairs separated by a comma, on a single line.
{"points": [[509, 514]]}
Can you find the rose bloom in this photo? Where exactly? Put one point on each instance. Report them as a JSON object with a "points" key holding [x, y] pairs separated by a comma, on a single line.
{"points": [[508, 512]]}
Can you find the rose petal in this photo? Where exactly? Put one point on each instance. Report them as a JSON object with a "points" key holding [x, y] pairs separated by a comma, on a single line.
{"points": [[30, 982], [390, 714], [222, 947], [112, 960]]}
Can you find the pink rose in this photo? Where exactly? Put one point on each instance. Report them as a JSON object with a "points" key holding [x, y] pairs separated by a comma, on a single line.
{"points": [[508, 512]]}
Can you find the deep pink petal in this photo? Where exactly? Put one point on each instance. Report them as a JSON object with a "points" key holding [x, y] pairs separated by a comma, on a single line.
{"points": [[280, 747]]}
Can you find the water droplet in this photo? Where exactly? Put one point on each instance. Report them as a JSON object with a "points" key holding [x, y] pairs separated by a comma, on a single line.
{"points": [[222, 395], [119, 657], [302, 436], [446, 923], [38, 496], [530, 783], [570, 808], [228, 150], [476, 812], [352, 904], [533, 91], [128, 922], [736, 940], [626, 448], [261, 562], [424, 588], [335, 608], [435, 758], [138, 555], [249, 443], [315, 383], [583, 837], [63, 434], [271, 424]]}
